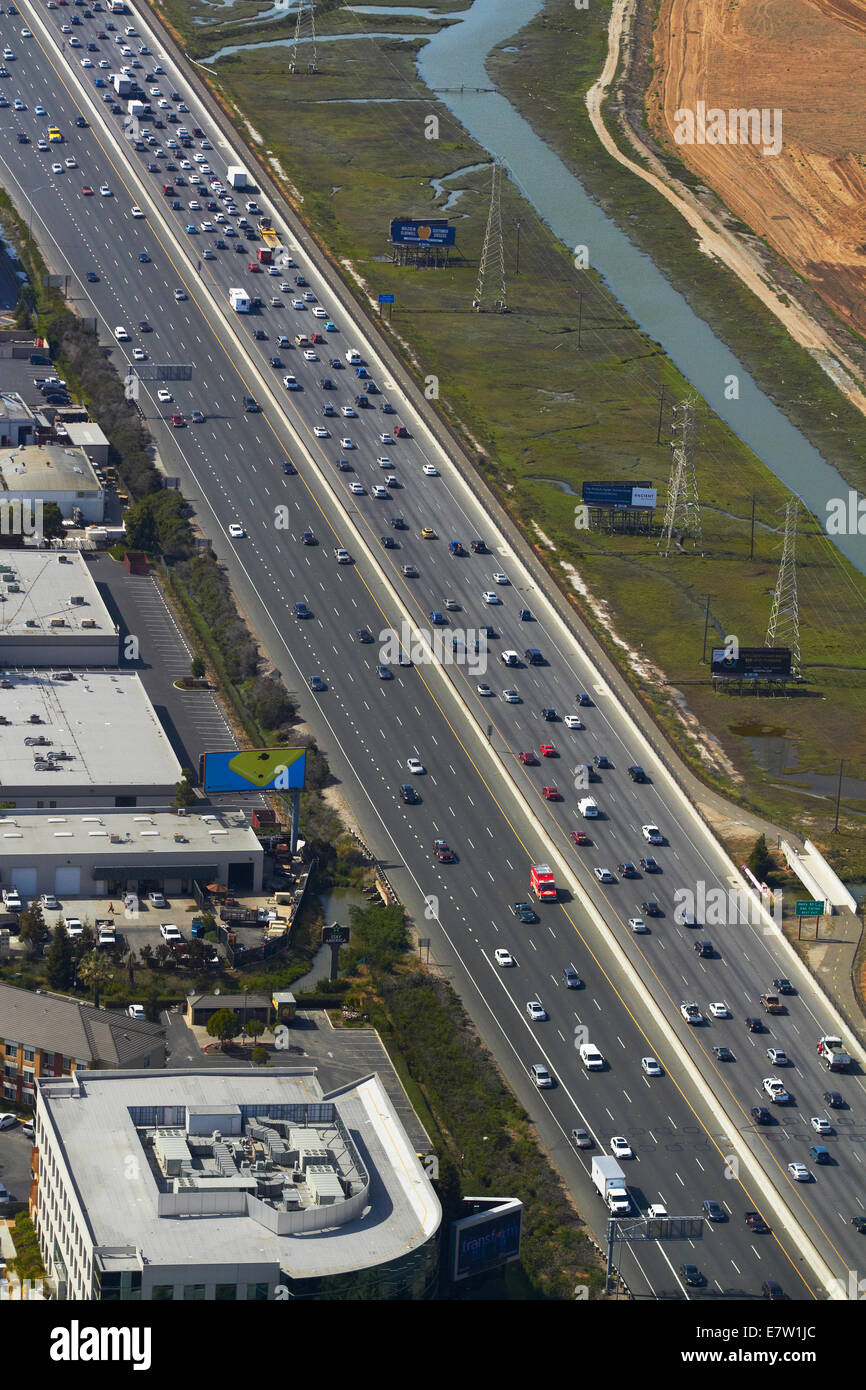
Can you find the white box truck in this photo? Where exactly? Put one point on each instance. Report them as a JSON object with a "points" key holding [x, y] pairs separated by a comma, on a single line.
{"points": [[588, 807], [240, 301], [122, 84], [136, 108], [609, 1181], [237, 177]]}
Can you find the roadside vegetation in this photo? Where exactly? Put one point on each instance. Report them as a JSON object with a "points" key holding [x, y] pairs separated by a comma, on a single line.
{"points": [[566, 388]]}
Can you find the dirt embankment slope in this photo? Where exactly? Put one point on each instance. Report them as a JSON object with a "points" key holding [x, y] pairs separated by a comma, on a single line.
{"points": [[806, 58]]}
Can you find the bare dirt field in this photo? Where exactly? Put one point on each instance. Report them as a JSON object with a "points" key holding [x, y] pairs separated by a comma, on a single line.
{"points": [[806, 58]]}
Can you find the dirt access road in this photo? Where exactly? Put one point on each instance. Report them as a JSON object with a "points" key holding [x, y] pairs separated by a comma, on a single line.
{"points": [[806, 58]]}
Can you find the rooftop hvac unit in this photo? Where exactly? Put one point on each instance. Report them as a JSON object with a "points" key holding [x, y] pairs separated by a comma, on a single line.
{"points": [[28, 622], [75, 600], [57, 622], [35, 719], [64, 559], [181, 810], [88, 622], [13, 588]]}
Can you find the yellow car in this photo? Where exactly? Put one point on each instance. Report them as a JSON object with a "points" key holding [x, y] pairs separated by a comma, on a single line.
{"points": [[427, 533], [54, 133]]}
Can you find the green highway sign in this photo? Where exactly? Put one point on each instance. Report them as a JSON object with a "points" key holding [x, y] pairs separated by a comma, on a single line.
{"points": [[811, 908]]}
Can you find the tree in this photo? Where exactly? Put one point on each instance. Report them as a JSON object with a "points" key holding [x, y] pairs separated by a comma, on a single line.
{"points": [[225, 1025], [255, 1028], [94, 970], [197, 668], [260, 1056], [183, 792], [60, 964], [760, 860], [141, 530], [151, 1002], [52, 521], [31, 930]]}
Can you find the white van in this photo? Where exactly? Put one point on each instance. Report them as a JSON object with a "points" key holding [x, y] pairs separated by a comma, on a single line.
{"points": [[591, 1057], [353, 357], [588, 807]]}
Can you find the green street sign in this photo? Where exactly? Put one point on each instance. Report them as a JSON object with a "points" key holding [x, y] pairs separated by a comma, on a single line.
{"points": [[811, 908]]}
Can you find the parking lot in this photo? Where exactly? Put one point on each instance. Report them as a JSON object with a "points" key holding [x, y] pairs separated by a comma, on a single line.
{"points": [[15, 1150]]}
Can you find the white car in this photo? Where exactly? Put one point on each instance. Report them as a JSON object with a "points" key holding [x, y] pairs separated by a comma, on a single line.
{"points": [[415, 765], [638, 925], [169, 932], [384, 463], [349, 411], [650, 1067], [385, 439], [720, 1010], [320, 313], [653, 834], [298, 304], [503, 957], [7, 1120], [603, 875], [157, 899], [821, 1124], [164, 396], [136, 210], [105, 191], [207, 226], [346, 443], [541, 1076], [71, 163], [49, 901], [430, 471], [511, 696], [121, 334], [180, 295], [236, 531], [799, 1172], [57, 168], [379, 492], [139, 355], [74, 927], [87, 62], [358, 489], [620, 1147], [500, 578], [26, 34], [310, 355], [342, 556], [285, 287], [536, 1011], [571, 721], [320, 432], [490, 597]]}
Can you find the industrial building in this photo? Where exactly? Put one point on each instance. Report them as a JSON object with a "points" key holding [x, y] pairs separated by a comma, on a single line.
{"points": [[51, 613], [229, 1185], [54, 474], [81, 738], [46, 1035], [116, 852], [86, 435]]}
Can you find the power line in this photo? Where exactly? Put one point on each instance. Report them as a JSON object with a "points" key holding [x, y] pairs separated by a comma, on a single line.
{"points": [[492, 264], [305, 32], [784, 625], [683, 509]]}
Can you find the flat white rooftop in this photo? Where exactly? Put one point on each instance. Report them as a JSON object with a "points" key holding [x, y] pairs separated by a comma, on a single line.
{"points": [[95, 1120], [102, 723], [47, 468], [117, 833], [49, 594]]}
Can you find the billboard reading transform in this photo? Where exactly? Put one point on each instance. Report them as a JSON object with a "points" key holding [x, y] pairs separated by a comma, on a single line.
{"points": [[752, 663], [254, 769], [487, 1239], [407, 232]]}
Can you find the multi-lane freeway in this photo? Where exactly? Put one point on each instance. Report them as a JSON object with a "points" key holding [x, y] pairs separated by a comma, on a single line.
{"points": [[691, 1129]]}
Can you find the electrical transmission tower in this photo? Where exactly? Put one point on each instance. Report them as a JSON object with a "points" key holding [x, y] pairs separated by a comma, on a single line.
{"points": [[784, 626], [683, 510], [493, 251], [305, 30]]}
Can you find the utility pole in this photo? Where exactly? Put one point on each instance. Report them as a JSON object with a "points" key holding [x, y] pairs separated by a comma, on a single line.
{"points": [[579, 317], [305, 28], [785, 613], [706, 627], [661, 411], [683, 509], [517, 259], [838, 797], [492, 262], [752, 541]]}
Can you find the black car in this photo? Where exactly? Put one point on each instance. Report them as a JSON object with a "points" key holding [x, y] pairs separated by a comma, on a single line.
{"points": [[636, 773], [219, 243], [692, 1275], [409, 794], [289, 468], [251, 405], [144, 326], [650, 865], [772, 1290], [276, 361], [398, 523], [364, 634], [724, 1054], [714, 1211], [524, 912], [92, 277], [345, 466], [704, 949], [317, 684], [259, 334], [478, 548], [584, 700], [756, 1223], [389, 543], [571, 977], [859, 1223], [783, 986], [650, 908], [627, 869], [326, 383], [761, 1115], [302, 611], [384, 672], [307, 538], [754, 1025], [834, 1100], [548, 713], [299, 280], [601, 760], [335, 363], [81, 122]]}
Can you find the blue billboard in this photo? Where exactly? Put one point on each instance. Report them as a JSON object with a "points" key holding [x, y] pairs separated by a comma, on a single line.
{"points": [[487, 1239], [254, 769], [408, 232], [640, 495]]}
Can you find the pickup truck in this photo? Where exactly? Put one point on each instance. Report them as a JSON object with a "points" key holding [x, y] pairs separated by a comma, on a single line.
{"points": [[772, 1004], [833, 1054]]}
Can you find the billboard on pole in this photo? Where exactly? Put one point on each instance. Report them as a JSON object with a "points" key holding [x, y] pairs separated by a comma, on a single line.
{"points": [[639, 495], [408, 232], [752, 663], [490, 1237], [254, 769]]}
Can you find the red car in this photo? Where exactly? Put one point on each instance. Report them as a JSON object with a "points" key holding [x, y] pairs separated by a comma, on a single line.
{"points": [[529, 759], [88, 192], [255, 267], [401, 432], [551, 793], [547, 750], [442, 852], [177, 421], [580, 837]]}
